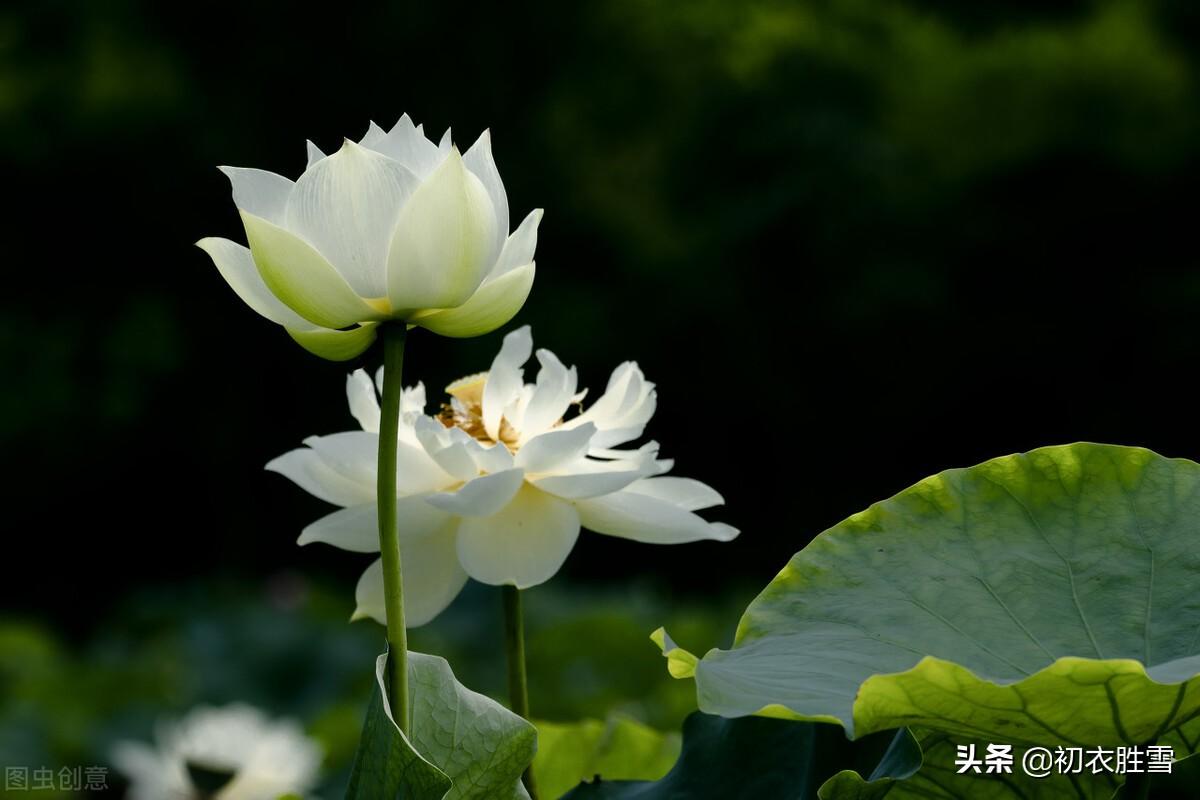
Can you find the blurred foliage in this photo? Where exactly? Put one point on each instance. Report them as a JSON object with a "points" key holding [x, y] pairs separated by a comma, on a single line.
{"points": [[617, 749], [867, 237], [288, 649]]}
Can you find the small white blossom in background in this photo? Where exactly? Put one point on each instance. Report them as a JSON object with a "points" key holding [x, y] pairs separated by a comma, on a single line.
{"points": [[230, 753], [393, 227], [497, 484]]}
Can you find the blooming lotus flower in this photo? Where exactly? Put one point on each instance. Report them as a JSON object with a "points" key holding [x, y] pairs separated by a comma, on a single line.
{"points": [[393, 227], [496, 484], [230, 753]]}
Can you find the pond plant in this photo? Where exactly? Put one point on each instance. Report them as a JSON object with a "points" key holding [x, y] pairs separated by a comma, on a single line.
{"points": [[1025, 628]]}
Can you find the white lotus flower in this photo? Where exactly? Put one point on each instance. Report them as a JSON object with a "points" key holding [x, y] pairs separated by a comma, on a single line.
{"points": [[497, 484], [394, 227], [229, 753]]}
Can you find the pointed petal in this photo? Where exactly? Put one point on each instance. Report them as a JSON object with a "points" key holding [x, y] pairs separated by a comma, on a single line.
{"points": [[364, 403], [520, 246], [437, 257], [621, 413], [642, 518], [308, 471], [407, 144], [236, 266], [524, 544], [355, 529], [551, 398], [258, 192], [314, 154], [373, 136], [548, 451], [301, 277], [494, 303], [479, 160], [482, 496], [504, 380], [346, 206], [335, 345], [686, 493]]}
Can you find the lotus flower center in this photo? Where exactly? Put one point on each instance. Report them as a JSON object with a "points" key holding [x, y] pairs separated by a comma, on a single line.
{"points": [[465, 411]]}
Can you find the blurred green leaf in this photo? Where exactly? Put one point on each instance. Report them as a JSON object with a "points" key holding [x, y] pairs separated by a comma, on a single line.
{"points": [[619, 749], [464, 746], [768, 758]]}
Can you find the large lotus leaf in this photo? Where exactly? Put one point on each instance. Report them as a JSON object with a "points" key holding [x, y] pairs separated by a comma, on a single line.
{"points": [[751, 757], [618, 749], [939, 778], [463, 745], [1043, 598]]}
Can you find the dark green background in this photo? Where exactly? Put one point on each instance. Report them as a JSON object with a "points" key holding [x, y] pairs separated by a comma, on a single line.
{"points": [[853, 242]]}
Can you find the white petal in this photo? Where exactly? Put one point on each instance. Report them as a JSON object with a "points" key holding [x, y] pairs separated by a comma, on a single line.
{"points": [[308, 471], [314, 154], [504, 380], [479, 160], [412, 398], [482, 496], [364, 403], [490, 458], [355, 455], [346, 206], [357, 528], [688, 494], [621, 413], [647, 519], [431, 578], [594, 480], [407, 144], [261, 193], [373, 136], [437, 257], [548, 451], [302, 278], [236, 266], [451, 455], [523, 545], [551, 398], [520, 246]]}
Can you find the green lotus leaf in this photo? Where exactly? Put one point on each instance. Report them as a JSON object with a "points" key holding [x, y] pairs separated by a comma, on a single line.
{"points": [[939, 778], [619, 749], [463, 746], [1043, 598], [768, 758]]}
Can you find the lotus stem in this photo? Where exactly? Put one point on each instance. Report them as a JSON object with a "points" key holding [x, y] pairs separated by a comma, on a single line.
{"points": [[393, 335], [518, 684]]}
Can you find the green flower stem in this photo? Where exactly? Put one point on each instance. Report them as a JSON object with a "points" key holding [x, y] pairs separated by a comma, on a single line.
{"points": [[393, 335], [518, 686]]}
